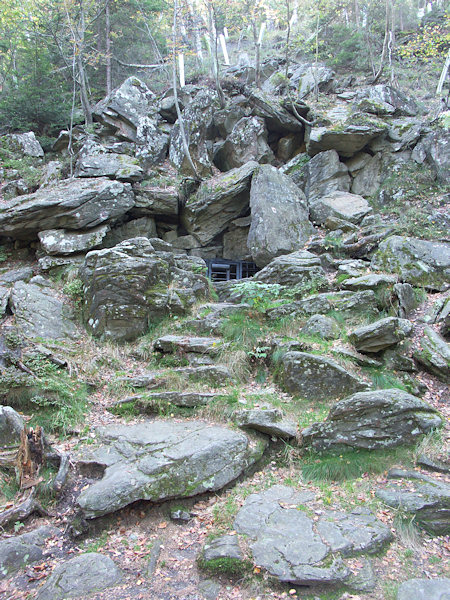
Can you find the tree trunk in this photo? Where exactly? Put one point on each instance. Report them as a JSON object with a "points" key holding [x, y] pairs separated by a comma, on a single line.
{"points": [[108, 48], [30, 457]]}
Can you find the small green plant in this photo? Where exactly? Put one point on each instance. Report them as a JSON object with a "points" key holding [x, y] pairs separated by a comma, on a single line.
{"points": [[74, 289], [3, 254], [18, 525], [226, 566], [258, 294]]}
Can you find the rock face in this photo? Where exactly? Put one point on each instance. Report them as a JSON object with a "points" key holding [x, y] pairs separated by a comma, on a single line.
{"points": [[371, 420], [161, 459], [279, 211], [72, 204], [384, 100], [62, 241], [218, 202], [322, 327], [11, 426], [316, 377], [424, 589], [381, 334], [21, 550], [434, 354], [424, 497], [79, 576], [326, 174], [346, 138], [418, 262], [40, 313], [247, 141], [268, 421], [127, 286], [293, 548], [437, 148], [293, 269], [342, 205], [180, 343], [95, 161], [26, 144]]}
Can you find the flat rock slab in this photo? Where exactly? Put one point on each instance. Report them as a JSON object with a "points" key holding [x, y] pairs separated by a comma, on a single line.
{"points": [[424, 589], [184, 399], [158, 460], [84, 574], [380, 335], [225, 546], [21, 550], [63, 241], [178, 343], [369, 282], [371, 420], [268, 421], [293, 269], [214, 374], [424, 497], [293, 547], [342, 205]]}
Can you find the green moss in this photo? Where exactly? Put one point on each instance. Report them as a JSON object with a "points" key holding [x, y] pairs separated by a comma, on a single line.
{"points": [[226, 566]]}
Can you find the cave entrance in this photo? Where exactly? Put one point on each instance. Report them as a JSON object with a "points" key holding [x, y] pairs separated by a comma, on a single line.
{"points": [[220, 269]]}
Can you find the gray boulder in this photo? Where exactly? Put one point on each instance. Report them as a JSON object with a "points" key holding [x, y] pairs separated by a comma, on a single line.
{"points": [[404, 133], [247, 141], [219, 201], [424, 589], [384, 100], [40, 313], [63, 241], [367, 180], [326, 174], [344, 137], [155, 201], [25, 144], [171, 344], [152, 143], [142, 227], [419, 262], [372, 281], [322, 327], [21, 550], [293, 269], [269, 420], [306, 78], [436, 147], [161, 459], [380, 335], [72, 204], [406, 298], [11, 426], [433, 353], [342, 205], [80, 576], [94, 160], [297, 170], [316, 377], [223, 547], [425, 498], [277, 118], [4, 299], [279, 211]]}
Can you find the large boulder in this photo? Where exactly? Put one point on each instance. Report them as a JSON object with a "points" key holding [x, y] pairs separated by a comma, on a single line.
{"points": [[219, 201], [436, 147], [373, 420], [95, 160], [159, 460], [155, 201], [279, 211], [381, 334], [326, 174], [72, 204], [341, 205], [424, 589], [367, 179], [306, 78], [24, 144], [62, 241], [11, 426], [247, 141], [419, 262], [316, 377], [132, 284], [18, 551], [384, 100], [433, 353], [277, 118], [142, 227], [293, 546], [293, 269]]}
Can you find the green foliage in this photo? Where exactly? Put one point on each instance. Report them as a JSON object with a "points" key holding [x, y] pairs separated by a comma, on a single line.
{"points": [[3, 254], [225, 566], [429, 43], [74, 289], [385, 380], [259, 295]]}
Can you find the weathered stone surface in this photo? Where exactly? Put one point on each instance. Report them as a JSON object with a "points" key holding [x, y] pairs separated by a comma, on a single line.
{"points": [[72, 204], [437, 150], [326, 174], [156, 201], [25, 144], [21, 550], [142, 227], [424, 589], [161, 459], [346, 138], [277, 118], [441, 315], [11, 426], [422, 496], [219, 201], [127, 286], [404, 132], [47, 263], [268, 421], [39, 312], [384, 100], [297, 170], [307, 77], [4, 298], [225, 546], [63, 241], [381, 334], [151, 400], [79, 576], [183, 343], [433, 353], [152, 143], [342, 205], [213, 374], [371, 420], [279, 211], [292, 547], [235, 243], [321, 326], [95, 161], [369, 282], [419, 262], [316, 377], [293, 269], [247, 141], [367, 180]]}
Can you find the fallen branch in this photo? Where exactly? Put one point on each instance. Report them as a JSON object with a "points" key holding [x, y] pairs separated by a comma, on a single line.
{"points": [[61, 477], [22, 511]]}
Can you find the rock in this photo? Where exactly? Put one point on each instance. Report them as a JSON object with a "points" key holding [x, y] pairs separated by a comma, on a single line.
{"points": [[247, 141], [423, 497], [63, 241], [295, 269], [406, 298], [297, 169], [373, 420], [342, 205], [432, 465], [198, 120], [39, 313], [277, 118], [316, 377], [325, 175], [152, 143], [156, 202], [235, 243], [268, 421], [142, 227], [153, 558], [151, 400], [79, 576], [294, 548], [306, 78], [344, 136], [213, 374], [384, 100], [367, 180], [433, 353], [209, 589], [124, 108], [181, 343], [424, 589], [141, 285], [47, 263], [437, 150], [94, 160], [372, 281], [279, 211], [418, 262], [158, 460], [364, 580], [11, 426], [25, 143], [52, 173], [440, 314], [380, 335], [223, 547], [72, 204], [287, 147], [404, 132], [219, 201], [322, 327], [21, 550], [4, 299], [360, 359]]}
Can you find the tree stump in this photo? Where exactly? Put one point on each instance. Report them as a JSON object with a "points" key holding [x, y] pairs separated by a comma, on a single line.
{"points": [[30, 457]]}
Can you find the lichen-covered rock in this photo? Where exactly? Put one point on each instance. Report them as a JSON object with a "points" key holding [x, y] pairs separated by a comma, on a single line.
{"points": [[269, 420], [419, 262], [424, 589], [326, 174], [322, 327], [247, 141], [367, 179], [381, 334], [371, 420], [219, 201], [132, 284], [297, 170], [183, 343], [279, 210], [293, 269], [436, 146], [11, 426], [342, 205], [433, 353], [142, 227], [277, 118], [72, 204], [385, 100], [316, 377], [156, 201], [4, 298], [25, 144], [95, 160], [21, 550], [62, 241], [158, 460], [307, 78]]}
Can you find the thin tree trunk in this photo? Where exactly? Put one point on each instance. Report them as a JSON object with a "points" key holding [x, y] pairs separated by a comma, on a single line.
{"points": [[385, 46], [108, 48]]}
